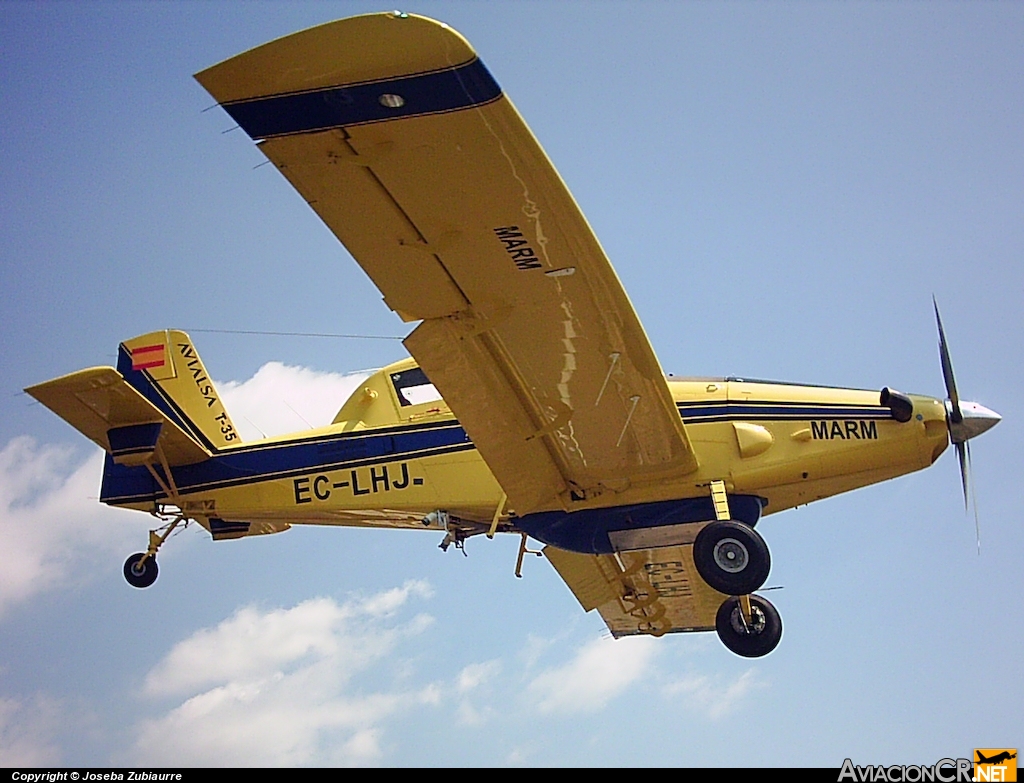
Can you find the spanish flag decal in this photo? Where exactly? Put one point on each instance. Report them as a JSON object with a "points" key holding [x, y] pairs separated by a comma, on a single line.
{"points": [[146, 357]]}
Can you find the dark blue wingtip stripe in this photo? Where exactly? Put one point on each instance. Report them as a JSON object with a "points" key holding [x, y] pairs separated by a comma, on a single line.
{"points": [[448, 90]]}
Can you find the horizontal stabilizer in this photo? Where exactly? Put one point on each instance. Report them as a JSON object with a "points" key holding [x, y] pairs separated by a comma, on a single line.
{"points": [[100, 404]]}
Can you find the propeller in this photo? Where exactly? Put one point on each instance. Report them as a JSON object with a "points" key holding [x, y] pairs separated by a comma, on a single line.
{"points": [[965, 420]]}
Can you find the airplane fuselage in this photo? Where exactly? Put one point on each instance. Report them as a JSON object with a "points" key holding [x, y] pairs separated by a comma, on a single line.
{"points": [[386, 464]]}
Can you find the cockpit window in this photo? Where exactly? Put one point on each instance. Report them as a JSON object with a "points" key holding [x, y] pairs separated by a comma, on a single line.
{"points": [[413, 387]]}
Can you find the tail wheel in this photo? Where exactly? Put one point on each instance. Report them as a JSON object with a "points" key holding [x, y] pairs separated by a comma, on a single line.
{"points": [[751, 639], [140, 573], [731, 557]]}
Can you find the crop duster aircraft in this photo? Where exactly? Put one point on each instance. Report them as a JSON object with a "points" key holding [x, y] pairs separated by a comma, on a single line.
{"points": [[533, 403]]}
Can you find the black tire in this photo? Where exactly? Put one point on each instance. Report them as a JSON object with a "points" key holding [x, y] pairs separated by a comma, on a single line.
{"points": [[142, 576], [731, 557], [753, 641]]}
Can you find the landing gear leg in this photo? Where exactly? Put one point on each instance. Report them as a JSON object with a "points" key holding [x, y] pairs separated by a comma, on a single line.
{"points": [[523, 551], [730, 555], [141, 570]]}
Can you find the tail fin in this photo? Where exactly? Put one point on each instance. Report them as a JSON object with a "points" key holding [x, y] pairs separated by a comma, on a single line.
{"points": [[165, 368]]}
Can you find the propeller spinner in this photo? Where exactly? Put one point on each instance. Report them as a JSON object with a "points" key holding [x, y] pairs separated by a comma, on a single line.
{"points": [[965, 420]]}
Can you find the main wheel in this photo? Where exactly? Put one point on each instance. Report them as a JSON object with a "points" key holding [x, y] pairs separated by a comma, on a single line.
{"points": [[140, 575], [731, 557], [752, 640]]}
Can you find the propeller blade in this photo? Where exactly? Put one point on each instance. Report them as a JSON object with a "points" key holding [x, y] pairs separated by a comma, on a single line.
{"points": [[974, 497], [961, 428], [961, 453], [947, 375]]}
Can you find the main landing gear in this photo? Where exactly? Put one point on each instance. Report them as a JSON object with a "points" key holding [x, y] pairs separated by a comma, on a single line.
{"points": [[141, 570], [733, 559]]}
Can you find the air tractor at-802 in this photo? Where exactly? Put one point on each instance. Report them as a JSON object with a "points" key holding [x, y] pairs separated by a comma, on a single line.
{"points": [[532, 403]]}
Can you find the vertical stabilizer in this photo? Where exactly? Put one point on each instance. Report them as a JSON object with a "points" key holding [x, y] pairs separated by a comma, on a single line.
{"points": [[166, 369]]}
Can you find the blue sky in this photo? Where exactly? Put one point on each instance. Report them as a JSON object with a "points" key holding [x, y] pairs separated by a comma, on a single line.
{"points": [[781, 188]]}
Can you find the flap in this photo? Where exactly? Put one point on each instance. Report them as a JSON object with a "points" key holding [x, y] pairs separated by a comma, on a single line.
{"points": [[97, 400], [437, 187], [651, 591]]}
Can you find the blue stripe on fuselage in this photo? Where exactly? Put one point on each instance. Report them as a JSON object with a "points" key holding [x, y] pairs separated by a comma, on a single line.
{"points": [[124, 484], [749, 410]]}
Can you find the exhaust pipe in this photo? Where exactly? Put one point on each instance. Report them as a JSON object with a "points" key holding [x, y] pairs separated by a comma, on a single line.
{"points": [[900, 405]]}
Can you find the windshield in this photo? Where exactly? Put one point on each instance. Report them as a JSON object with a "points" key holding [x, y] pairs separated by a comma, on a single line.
{"points": [[413, 387]]}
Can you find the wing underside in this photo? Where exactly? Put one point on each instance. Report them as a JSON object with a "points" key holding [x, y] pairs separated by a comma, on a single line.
{"points": [[650, 591], [396, 135]]}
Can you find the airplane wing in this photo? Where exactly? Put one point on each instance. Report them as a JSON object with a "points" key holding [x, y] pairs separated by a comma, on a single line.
{"points": [[650, 591], [399, 138]]}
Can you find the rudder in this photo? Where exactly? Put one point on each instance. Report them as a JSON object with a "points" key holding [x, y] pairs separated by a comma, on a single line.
{"points": [[166, 369]]}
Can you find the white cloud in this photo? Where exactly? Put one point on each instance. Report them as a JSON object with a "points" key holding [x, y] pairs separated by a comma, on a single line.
{"points": [[27, 731], [389, 601], [252, 643], [280, 399], [474, 678], [711, 696], [476, 674], [601, 670], [363, 747], [53, 530], [275, 688], [516, 757]]}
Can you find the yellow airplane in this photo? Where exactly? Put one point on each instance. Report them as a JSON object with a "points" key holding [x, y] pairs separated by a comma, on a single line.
{"points": [[533, 403]]}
